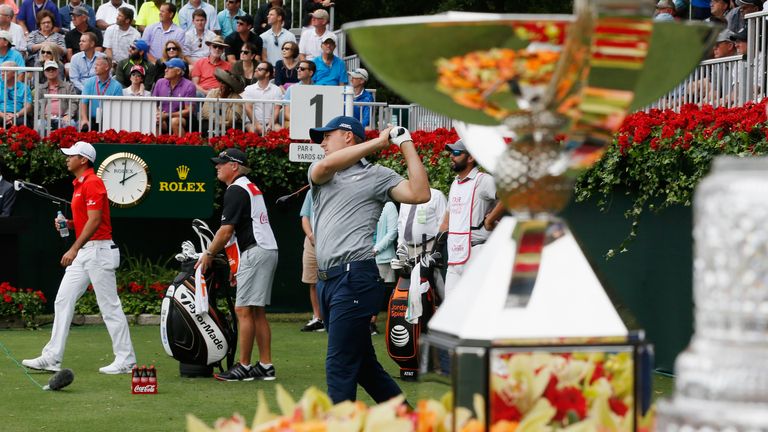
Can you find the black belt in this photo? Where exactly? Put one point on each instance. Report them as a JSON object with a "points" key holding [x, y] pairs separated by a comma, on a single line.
{"points": [[414, 245], [340, 269], [251, 246]]}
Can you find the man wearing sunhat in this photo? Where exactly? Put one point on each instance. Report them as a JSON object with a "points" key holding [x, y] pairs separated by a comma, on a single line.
{"points": [[92, 259], [472, 213], [248, 238], [137, 55], [349, 194], [203, 73], [223, 116]]}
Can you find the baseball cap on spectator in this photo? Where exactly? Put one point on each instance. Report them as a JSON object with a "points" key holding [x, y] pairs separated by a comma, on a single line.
{"points": [[50, 64], [231, 155], [176, 63], [740, 36], [321, 14], [141, 45], [139, 69], [359, 73], [5, 34], [79, 10], [81, 148], [341, 122], [457, 146], [245, 18], [724, 36]]}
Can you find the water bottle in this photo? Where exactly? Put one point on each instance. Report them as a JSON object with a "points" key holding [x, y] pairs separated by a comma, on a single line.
{"points": [[62, 222]]}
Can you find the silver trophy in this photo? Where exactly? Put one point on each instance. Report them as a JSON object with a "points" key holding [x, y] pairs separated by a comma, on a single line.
{"points": [[536, 99]]}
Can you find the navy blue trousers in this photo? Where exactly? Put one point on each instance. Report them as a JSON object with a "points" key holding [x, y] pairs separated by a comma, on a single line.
{"points": [[347, 302]]}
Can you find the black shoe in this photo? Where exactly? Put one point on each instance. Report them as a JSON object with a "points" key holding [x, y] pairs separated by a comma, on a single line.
{"points": [[237, 373], [374, 329], [314, 325], [259, 372]]}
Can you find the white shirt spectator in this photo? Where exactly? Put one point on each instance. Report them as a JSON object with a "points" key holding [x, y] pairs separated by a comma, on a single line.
{"points": [[119, 41], [309, 43], [194, 46], [426, 220], [108, 13], [262, 112], [19, 41], [273, 44]]}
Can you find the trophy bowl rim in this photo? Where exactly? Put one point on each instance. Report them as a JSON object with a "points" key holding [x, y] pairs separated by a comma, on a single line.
{"points": [[454, 17]]}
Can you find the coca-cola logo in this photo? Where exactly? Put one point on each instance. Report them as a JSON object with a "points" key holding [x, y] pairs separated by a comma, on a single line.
{"points": [[149, 388]]}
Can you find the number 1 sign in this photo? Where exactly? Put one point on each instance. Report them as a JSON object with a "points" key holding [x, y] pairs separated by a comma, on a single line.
{"points": [[313, 106]]}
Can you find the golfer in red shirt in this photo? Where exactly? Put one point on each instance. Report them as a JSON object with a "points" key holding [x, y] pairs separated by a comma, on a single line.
{"points": [[92, 259]]}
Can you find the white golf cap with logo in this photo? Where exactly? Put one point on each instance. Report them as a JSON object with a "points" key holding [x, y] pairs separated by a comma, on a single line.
{"points": [[81, 148]]}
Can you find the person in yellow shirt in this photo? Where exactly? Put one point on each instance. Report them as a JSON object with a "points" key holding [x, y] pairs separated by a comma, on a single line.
{"points": [[149, 13]]}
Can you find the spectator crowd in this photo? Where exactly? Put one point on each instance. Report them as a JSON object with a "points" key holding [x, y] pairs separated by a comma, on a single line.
{"points": [[167, 51]]}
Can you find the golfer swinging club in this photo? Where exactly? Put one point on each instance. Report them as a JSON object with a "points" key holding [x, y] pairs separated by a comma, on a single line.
{"points": [[349, 194], [92, 258]]}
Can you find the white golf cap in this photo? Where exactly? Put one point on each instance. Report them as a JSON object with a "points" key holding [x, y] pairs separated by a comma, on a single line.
{"points": [[359, 73], [81, 148]]}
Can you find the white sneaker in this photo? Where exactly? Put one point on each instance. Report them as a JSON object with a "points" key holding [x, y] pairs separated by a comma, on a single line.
{"points": [[43, 364], [116, 369]]}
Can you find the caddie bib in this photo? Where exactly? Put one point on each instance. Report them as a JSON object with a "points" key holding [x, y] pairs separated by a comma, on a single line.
{"points": [[461, 199]]}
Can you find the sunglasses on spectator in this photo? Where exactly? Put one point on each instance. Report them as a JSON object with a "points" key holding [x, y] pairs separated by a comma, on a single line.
{"points": [[217, 47], [46, 52], [171, 48], [301, 68], [261, 69], [287, 48], [245, 52], [137, 74], [457, 153], [51, 69]]}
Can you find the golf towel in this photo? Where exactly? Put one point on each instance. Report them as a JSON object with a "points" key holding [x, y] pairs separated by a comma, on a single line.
{"points": [[201, 293]]}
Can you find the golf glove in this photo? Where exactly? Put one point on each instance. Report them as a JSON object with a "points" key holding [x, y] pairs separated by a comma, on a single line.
{"points": [[399, 135], [428, 261]]}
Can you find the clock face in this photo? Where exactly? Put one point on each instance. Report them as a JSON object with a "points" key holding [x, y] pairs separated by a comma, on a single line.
{"points": [[126, 178]]}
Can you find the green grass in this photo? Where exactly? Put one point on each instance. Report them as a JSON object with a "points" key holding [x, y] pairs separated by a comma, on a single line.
{"points": [[99, 402]]}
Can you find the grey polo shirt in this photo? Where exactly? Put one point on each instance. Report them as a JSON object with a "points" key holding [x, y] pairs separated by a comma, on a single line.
{"points": [[346, 209]]}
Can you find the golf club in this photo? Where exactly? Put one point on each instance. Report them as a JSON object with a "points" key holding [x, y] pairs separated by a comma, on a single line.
{"points": [[285, 198]]}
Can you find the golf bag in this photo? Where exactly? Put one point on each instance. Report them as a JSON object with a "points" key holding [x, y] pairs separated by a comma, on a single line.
{"points": [[402, 336], [199, 341]]}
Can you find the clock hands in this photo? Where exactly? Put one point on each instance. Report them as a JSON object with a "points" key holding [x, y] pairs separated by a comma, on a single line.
{"points": [[125, 168], [122, 182]]}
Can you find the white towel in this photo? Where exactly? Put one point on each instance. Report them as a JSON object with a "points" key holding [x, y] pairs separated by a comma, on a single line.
{"points": [[415, 290], [201, 293]]}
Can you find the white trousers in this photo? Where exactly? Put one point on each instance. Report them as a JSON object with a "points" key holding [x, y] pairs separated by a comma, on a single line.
{"points": [[95, 263], [454, 272]]}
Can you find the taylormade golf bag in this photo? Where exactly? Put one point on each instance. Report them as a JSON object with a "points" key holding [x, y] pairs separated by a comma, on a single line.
{"points": [[402, 335], [199, 340]]}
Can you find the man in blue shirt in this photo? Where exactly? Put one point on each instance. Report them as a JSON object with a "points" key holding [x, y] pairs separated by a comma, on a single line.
{"points": [[27, 17], [227, 17], [331, 70], [103, 84], [358, 78], [15, 97], [7, 53], [83, 63]]}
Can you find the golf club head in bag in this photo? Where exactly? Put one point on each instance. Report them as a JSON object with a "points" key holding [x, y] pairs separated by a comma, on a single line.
{"points": [[202, 339]]}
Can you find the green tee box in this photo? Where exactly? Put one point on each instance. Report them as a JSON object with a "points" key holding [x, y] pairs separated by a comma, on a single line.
{"points": [[182, 180]]}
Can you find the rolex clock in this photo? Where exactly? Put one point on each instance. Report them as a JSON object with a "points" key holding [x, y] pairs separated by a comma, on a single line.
{"points": [[126, 177]]}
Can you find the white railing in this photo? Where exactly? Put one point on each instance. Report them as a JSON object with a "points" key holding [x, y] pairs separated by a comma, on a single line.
{"points": [[249, 6]]}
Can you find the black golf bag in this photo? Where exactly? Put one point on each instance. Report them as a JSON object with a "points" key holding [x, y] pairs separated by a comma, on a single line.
{"points": [[402, 336], [199, 342]]}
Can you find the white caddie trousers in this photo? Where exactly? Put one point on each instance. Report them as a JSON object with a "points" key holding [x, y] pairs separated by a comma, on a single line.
{"points": [[96, 262]]}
